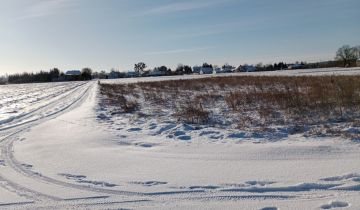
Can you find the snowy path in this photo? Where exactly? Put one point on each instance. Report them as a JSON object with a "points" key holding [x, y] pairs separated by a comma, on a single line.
{"points": [[29, 190], [22, 188], [64, 158]]}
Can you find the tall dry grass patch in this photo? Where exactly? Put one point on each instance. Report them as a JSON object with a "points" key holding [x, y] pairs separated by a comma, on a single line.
{"points": [[244, 101]]}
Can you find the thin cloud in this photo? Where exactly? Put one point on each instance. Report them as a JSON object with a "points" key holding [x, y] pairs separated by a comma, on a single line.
{"points": [[45, 8], [200, 34], [177, 51], [221, 28], [181, 7]]}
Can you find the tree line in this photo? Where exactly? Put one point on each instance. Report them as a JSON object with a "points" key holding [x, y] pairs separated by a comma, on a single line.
{"points": [[53, 75]]}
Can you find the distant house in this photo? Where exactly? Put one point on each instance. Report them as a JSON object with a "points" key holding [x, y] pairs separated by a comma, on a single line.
{"points": [[247, 68], [226, 69], [113, 75], [156, 73], [197, 69], [73, 73], [203, 70], [218, 70], [116, 75], [207, 70], [296, 66], [132, 73]]}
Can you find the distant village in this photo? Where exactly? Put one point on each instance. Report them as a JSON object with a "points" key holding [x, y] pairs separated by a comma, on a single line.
{"points": [[141, 70], [184, 69], [346, 56]]}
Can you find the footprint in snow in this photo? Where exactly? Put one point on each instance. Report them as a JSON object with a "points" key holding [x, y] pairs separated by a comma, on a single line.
{"points": [[123, 143], [103, 117], [179, 133], [353, 176], [335, 204], [261, 183], [122, 136], [27, 166], [207, 187], [237, 135], [134, 129], [205, 133], [165, 128], [152, 126], [149, 183], [145, 145], [82, 179], [184, 138]]}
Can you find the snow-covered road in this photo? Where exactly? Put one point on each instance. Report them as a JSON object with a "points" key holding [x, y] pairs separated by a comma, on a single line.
{"points": [[59, 154]]}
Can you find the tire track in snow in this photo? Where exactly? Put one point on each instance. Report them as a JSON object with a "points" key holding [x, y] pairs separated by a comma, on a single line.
{"points": [[8, 137], [42, 110]]}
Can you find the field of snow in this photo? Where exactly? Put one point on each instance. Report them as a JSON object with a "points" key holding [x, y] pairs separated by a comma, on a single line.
{"points": [[300, 72], [24, 103], [62, 152]]}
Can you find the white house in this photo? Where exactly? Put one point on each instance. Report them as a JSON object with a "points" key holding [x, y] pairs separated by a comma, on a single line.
{"points": [[206, 70], [203, 70], [218, 70], [226, 69]]}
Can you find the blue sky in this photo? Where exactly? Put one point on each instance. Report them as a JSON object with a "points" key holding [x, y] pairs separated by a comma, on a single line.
{"points": [[103, 34]]}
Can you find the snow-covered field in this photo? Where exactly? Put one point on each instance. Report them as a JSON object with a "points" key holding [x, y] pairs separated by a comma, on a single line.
{"points": [[57, 151], [24, 103], [301, 72]]}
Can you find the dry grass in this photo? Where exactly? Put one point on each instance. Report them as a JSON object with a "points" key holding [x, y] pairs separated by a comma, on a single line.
{"points": [[115, 96], [193, 113], [245, 101]]}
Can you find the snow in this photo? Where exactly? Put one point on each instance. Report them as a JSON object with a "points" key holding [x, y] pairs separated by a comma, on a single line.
{"points": [[71, 156], [299, 72], [11, 198], [21, 103]]}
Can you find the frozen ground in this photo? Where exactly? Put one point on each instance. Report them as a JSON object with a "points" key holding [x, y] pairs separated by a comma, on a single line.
{"points": [[71, 156]]}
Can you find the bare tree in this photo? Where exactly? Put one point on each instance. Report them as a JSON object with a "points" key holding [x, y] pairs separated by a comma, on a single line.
{"points": [[347, 55], [139, 67]]}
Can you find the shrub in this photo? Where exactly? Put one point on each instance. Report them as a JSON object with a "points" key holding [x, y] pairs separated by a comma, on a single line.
{"points": [[192, 113]]}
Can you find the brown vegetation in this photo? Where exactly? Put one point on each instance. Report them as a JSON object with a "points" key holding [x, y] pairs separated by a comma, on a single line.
{"points": [[245, 101], [116, 97]]}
